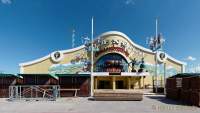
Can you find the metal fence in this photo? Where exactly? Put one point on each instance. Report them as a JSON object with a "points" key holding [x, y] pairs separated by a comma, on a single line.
{"points": [[34, 92]]}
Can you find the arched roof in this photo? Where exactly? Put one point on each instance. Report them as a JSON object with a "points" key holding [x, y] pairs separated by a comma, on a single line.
{"points": [[138, 46], [100, 36]]}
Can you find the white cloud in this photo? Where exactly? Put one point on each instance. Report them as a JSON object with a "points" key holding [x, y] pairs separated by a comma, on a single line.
{"points": [[130, 2], [190, 58], [6, 1]]}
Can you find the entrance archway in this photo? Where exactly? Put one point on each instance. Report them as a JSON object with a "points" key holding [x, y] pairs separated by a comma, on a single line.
{"points": [[111, 62]]}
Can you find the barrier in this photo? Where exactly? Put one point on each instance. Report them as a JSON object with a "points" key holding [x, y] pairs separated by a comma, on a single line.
{"points": [[34, 92]]}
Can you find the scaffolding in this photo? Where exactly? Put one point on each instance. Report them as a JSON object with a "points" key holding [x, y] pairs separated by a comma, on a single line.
{"points": [[34, 92]]}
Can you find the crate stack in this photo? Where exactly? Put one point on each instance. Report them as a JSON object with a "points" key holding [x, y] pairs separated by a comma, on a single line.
{"points": [[189, 90]]}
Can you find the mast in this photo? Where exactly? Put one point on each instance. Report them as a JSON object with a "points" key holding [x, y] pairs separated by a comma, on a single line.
{"points": [[92, 62], [92, 33], [156, 62]]}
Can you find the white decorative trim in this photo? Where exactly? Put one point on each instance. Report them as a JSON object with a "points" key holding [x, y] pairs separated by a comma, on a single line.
{"points": [[135, 74], [84, 73], [48, 56], [100, 74], [103, 34], [21, 70], [175, 60], [73, 49], [125, 36]]}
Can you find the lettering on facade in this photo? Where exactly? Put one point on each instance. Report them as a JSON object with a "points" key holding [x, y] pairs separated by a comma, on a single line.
{"points": [[117, 46], [112, 49]]}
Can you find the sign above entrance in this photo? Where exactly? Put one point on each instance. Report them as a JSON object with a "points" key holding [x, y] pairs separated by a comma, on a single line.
{"points": [[117, 45], [113, 49]]}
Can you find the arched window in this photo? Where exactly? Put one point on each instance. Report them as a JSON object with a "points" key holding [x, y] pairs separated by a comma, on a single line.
{"points": [[111, 62]]}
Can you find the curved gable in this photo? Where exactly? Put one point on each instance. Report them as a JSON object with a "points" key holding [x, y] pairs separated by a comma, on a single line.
{"points": [[136, 45], [45, 62]]}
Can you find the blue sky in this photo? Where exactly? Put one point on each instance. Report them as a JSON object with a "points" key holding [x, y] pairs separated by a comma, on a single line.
{"points": [[31, 29]]}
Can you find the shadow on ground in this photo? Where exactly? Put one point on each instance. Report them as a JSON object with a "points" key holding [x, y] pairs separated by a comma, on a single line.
{"points": [[165, 100]]}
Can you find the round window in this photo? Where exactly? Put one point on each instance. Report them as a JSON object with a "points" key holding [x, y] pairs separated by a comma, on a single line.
{"points": [[57, 56]]}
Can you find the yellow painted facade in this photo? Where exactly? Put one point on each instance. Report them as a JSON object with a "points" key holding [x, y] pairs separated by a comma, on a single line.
{"points": [[42, 65]]}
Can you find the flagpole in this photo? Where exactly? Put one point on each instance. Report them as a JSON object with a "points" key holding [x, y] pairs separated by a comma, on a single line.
{"points": [[156, 62], [92, 62]]}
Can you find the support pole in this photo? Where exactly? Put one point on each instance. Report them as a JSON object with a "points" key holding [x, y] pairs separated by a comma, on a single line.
{"points": [[156, 62], [96, 82], [143, 82], [92, 62], [129, 83], [113, 83], [156, 75], [164, 78]]}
